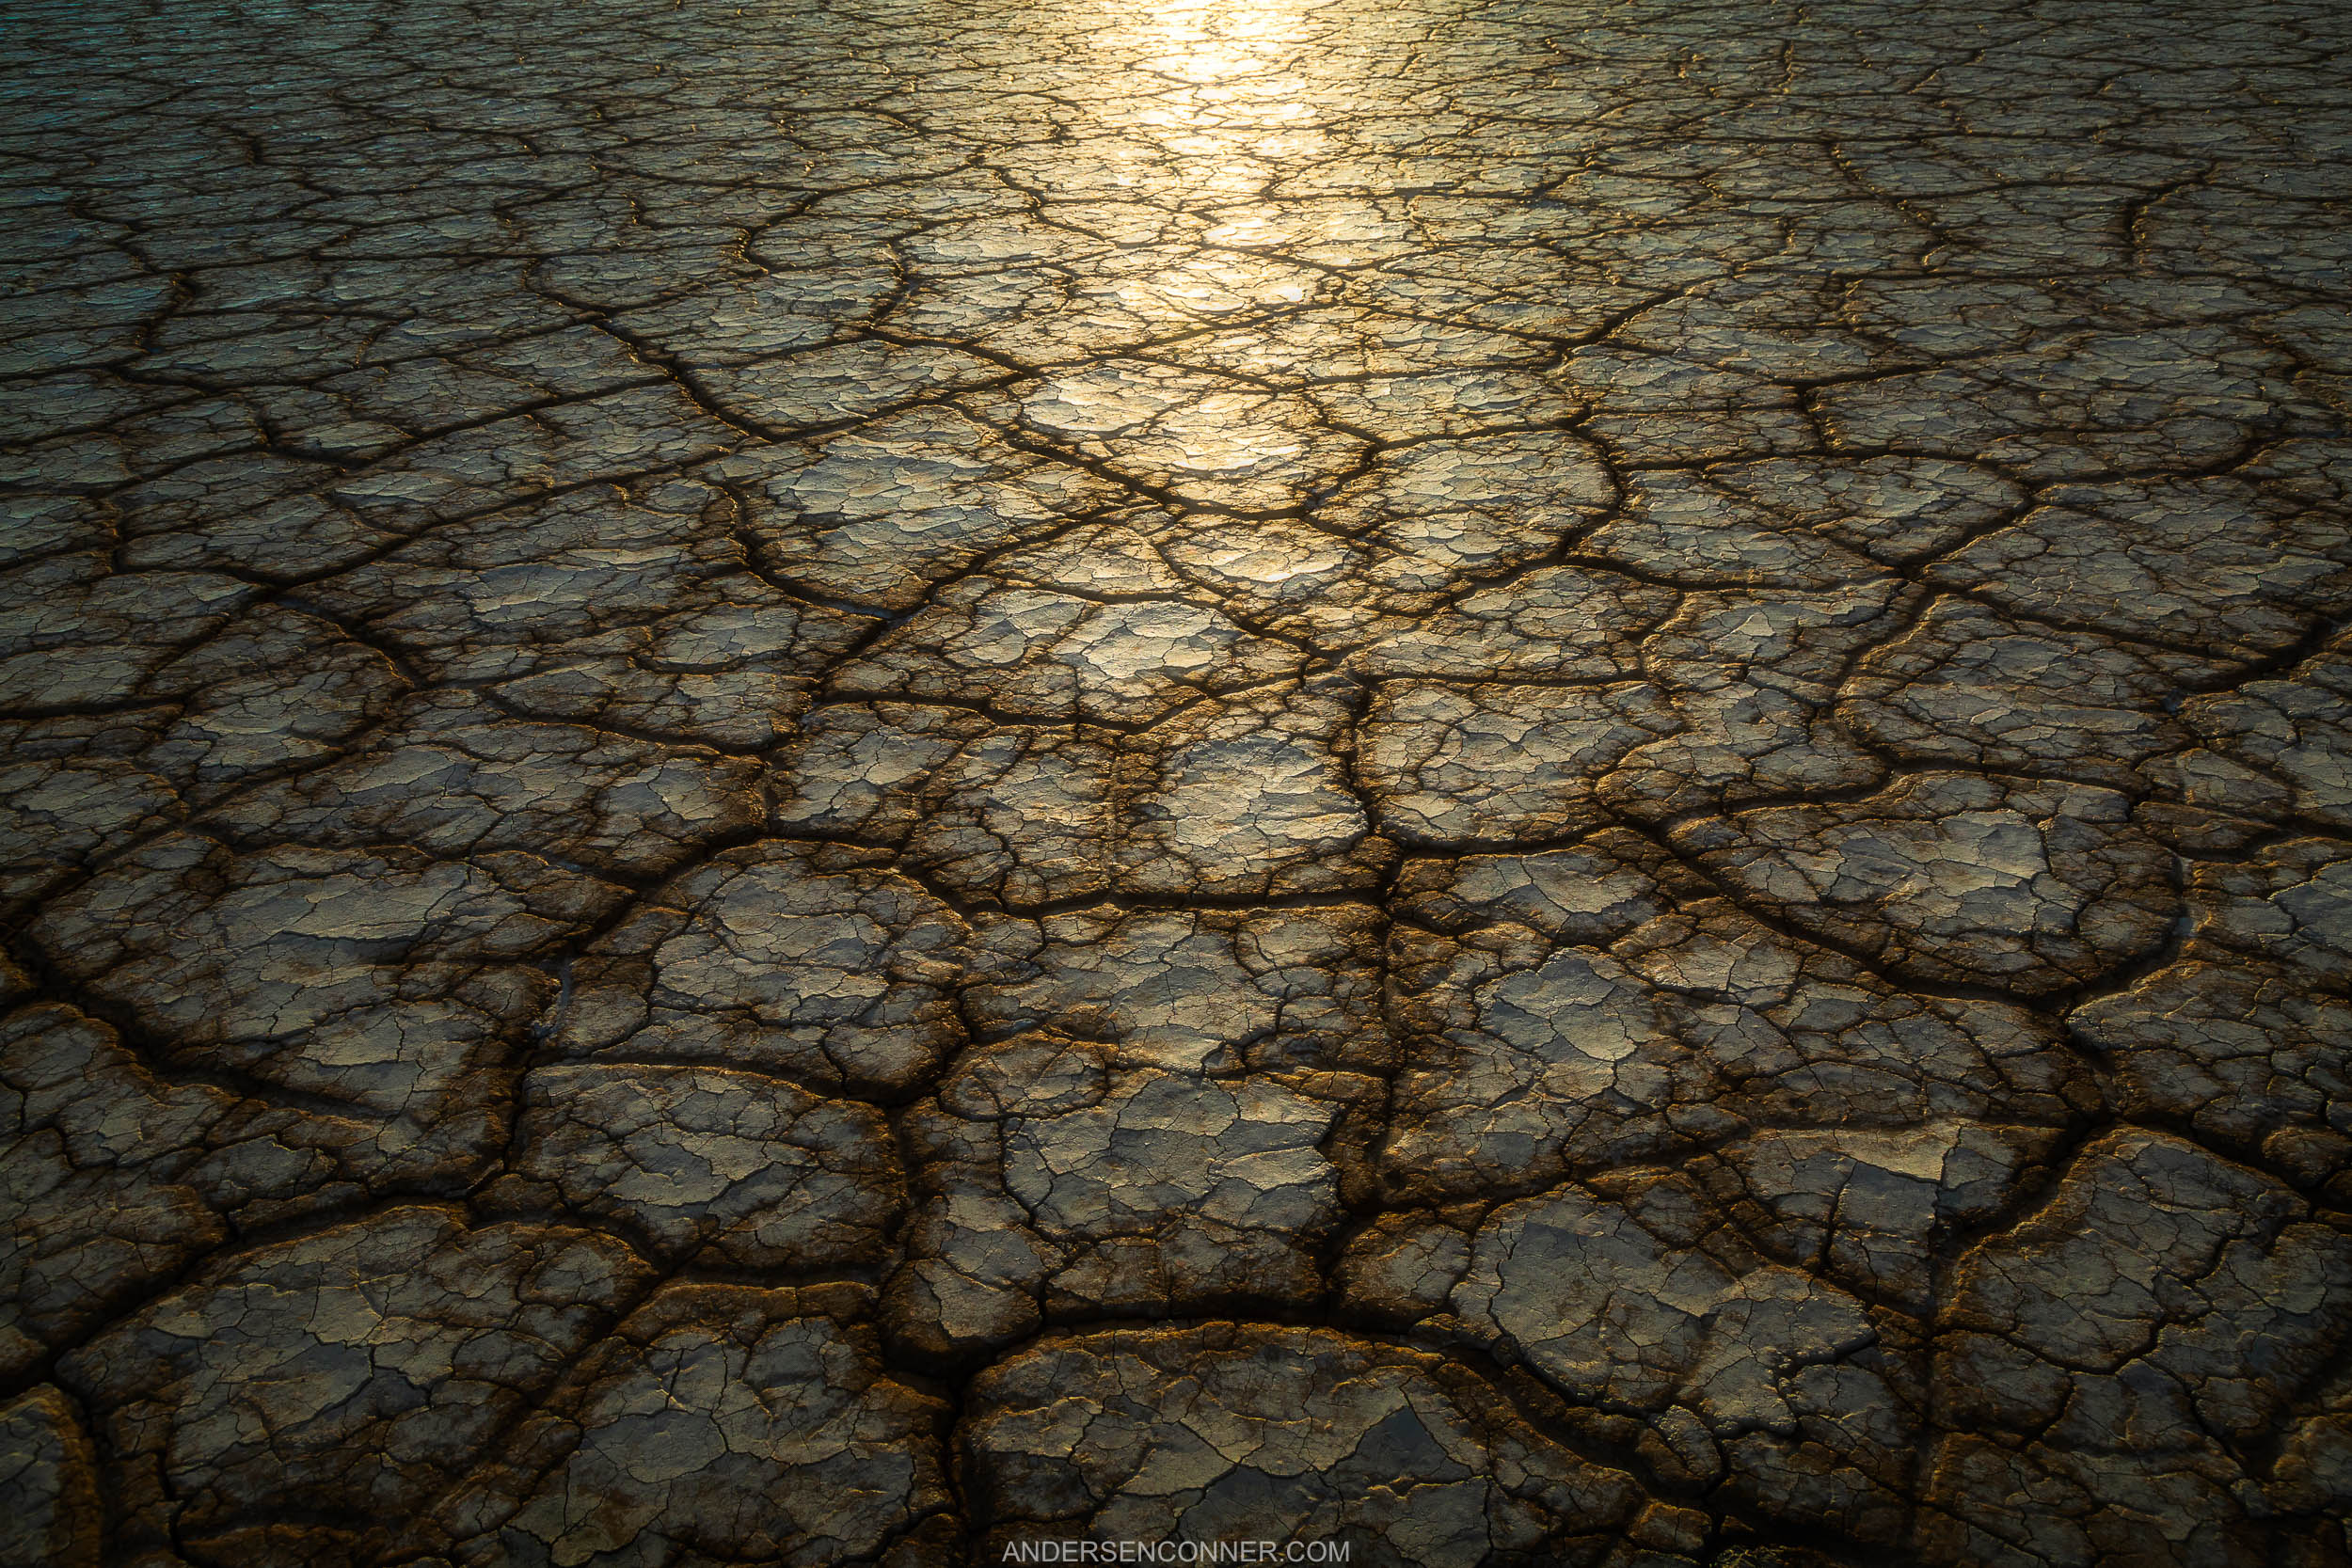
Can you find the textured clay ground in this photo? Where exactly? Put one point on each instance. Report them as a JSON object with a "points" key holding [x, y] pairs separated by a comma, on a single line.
{"points": [[1524, 783]]}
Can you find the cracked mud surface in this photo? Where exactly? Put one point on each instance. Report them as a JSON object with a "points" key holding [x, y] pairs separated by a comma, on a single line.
{"points": [[1536, 785]]}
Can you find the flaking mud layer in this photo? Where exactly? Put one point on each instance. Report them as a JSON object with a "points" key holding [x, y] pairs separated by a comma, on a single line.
{"points": [[1525, 783]]}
